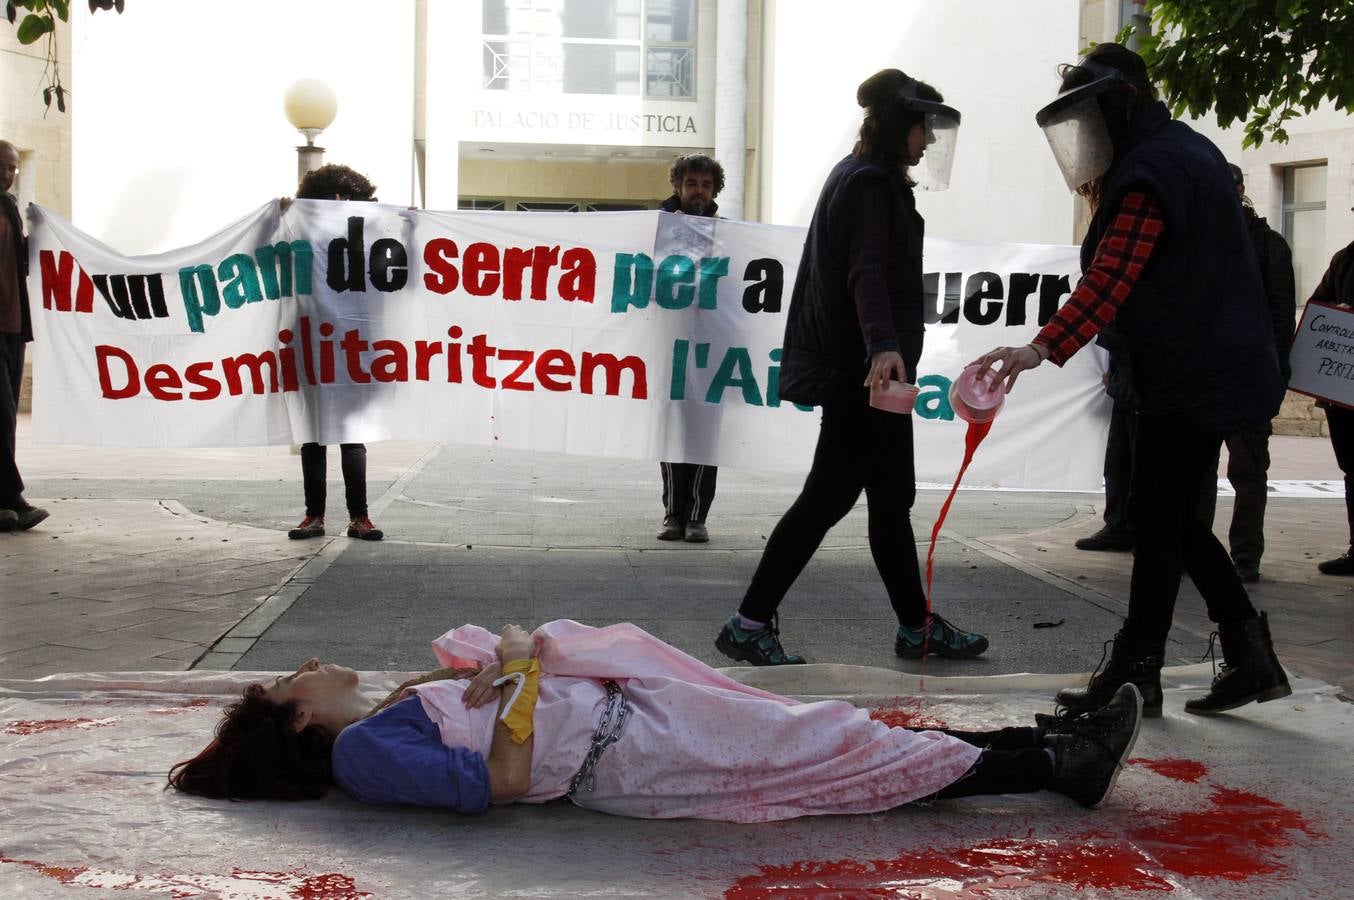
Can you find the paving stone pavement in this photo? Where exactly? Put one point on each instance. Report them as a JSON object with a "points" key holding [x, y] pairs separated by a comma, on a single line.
{"points": [[157, 560]]}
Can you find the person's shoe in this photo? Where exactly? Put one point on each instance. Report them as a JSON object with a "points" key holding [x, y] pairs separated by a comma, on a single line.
{"points": [[9, 520], [761, 647], [1090, 750], [311, 526], [1341, 565], [1106, 539], [696, 533], [672, 529], [362, 529], [1249, 573], [940, 638], [28, 516], [1130, 662], [1250, 670]]}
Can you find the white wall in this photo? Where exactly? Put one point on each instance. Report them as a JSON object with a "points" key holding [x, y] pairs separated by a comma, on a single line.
{"points": [[179, 126], [994, 60]]}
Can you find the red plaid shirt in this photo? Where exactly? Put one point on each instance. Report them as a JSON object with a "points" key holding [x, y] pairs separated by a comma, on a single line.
{"points": [[1118, 262]]}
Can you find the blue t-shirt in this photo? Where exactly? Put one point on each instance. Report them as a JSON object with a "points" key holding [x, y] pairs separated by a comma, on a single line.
{"points": [[397, 756]]}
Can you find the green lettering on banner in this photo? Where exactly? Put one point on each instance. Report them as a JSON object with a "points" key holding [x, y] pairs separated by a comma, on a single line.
{"points": [[680, 350], [632, 281], [243, 286], [735, 358], [933, 398], [712, 269], [676, 283], [195, 305]]}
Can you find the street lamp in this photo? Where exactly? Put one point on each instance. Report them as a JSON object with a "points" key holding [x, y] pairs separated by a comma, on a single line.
{"points": [[311, 106]]}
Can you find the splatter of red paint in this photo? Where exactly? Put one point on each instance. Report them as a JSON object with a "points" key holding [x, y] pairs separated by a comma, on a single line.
{"points": [[41, 726], [905, 713], [63, 874], [240, 882], [1226, 840], [1229, 839], [185, 706], [1186, 770]]}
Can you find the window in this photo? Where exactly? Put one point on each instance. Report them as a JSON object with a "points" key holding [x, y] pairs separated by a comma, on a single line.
{"points": [[1304, 224], [617, 47], [523, 205]]}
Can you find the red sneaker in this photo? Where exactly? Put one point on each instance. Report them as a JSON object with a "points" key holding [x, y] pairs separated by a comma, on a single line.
{"points": [[311, 526], [362, 529]]}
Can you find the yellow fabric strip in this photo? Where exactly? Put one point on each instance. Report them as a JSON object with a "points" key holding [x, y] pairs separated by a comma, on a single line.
{"points": [[519, 712]]}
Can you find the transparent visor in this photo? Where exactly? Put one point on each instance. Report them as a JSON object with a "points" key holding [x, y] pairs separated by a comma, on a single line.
{"points": [[1080, 142], [933, 172]]}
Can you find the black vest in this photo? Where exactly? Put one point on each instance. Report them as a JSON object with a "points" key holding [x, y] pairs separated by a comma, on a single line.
{"points": [[1196, 328], [824, 352]]}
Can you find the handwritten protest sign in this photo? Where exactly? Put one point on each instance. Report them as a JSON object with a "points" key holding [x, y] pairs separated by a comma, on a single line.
{"points": [[1322, 355]]}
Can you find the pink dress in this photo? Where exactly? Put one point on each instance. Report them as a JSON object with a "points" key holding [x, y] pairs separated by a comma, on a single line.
{"points": [[697, 743]]}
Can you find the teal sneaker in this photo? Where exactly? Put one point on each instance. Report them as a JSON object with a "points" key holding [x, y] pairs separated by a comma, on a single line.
{"points": [[761, 647], [939, 638]]}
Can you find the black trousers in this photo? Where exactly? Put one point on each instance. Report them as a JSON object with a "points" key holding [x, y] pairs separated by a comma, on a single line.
{"points": [[859, 448], [1341, 422], [1013, 761], [353, 458], [1119, 467], [1171, 458], [11, 380], [1248, 473], [688, 491]]}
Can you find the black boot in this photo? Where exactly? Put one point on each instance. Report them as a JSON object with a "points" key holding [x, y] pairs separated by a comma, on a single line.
{"points": [[1250, 670], [1131, 662], [1089, 751]]}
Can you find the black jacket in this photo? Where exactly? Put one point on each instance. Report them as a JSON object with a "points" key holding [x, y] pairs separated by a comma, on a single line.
{"points": [[830, 331], [1276, 268]]}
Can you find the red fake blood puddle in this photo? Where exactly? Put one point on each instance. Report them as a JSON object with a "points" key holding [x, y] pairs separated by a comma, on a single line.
{"points": [[1186, 770], [1225, 841], [906, 714], [1228, 840], [33, 726], [241, 883]]}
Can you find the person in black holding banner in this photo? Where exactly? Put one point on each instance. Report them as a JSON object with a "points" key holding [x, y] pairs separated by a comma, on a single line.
{"points": [[1169, 270], [333, 182], [855, 321], [689, 488], [1248, 451], [16, 330], [1337, 287]]}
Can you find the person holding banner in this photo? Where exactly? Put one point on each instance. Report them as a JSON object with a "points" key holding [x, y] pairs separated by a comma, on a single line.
{"points": [[16, 330], [689, 488], [333, 182], [614, 720], [1337, 287], [855, 321], [1170, 273]]}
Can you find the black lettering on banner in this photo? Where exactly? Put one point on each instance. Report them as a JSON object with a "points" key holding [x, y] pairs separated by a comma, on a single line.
{"points": [[351, 249], [981, 287], [1022, 285], [133, 296], [764, 294]]}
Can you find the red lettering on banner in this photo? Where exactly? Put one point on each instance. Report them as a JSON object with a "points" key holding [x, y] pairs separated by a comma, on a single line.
{"points": [[56, 283], [275, 371], [485, 271]]}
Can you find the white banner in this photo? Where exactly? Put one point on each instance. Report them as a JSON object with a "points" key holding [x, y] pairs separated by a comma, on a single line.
{"points": [[640, 335], [1322, 355]]}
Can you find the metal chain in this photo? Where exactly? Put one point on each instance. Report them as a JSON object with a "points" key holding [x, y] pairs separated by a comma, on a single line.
{"points": [[605, 735]]}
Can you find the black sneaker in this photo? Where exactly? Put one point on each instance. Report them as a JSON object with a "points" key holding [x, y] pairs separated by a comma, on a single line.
{"points": [[672, 529], [761, 647], [1090, 749], [9, 520], [938, 637], [1106, 539], [1341, 565], [696, 533]]}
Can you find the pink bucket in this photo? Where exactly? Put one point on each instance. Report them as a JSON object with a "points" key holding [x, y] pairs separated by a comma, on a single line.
{"points": [[976, 401], [897, 397]]}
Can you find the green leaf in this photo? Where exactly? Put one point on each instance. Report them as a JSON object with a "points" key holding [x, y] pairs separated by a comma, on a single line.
{"points": [[34, 26], [62, 8]]}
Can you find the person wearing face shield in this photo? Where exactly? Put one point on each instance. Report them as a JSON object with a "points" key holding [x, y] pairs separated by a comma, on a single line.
{"points": [[1171, 277], [855, 321]]}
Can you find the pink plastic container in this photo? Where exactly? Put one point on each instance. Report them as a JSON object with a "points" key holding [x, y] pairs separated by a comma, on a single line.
{"points": [[898, 397], [976, 401]]}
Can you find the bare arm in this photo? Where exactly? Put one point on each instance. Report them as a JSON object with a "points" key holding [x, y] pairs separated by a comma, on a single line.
{"points": [[509, 762]]}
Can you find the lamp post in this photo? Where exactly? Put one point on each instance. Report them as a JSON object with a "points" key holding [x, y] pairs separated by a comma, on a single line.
{"points": [[310, 105]]}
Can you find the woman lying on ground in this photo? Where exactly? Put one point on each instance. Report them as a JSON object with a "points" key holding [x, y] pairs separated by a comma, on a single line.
{"points": [[615, 720]]}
